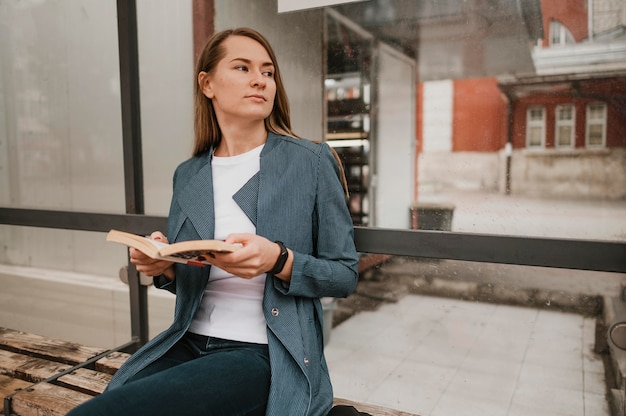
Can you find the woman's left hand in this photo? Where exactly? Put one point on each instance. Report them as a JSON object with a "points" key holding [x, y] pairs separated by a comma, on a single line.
{"points": [[257, 256]]}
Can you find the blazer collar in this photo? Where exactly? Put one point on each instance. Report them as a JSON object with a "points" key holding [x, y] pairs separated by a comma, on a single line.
{"points": [[196, 200]]}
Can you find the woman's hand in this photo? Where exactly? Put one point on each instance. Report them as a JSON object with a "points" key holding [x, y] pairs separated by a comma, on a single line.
{"points": [[257, 256], [150, 266]]}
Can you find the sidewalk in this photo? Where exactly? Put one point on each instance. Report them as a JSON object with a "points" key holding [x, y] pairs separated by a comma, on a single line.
{"points": [[435, 356], [491, 213], [440, 355]]}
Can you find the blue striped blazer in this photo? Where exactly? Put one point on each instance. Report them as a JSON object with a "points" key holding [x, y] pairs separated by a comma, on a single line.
{"points": [[296, 197]]}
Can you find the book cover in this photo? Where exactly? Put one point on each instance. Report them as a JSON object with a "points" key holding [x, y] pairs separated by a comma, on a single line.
{"points": [[194, 252]]}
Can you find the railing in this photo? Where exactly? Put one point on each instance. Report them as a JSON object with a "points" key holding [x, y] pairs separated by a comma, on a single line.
{"points": [[546, 252]]}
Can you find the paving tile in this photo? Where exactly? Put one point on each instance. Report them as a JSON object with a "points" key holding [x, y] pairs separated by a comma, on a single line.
{"points": [[555, 400], [437, 353], [441, 357], [490, 387], [594, 383], [358, 375], [496, 343], [547, 377], [462, 405], [537, 409], [414, 387], [596, 404], [492, 366], [564, 354]]}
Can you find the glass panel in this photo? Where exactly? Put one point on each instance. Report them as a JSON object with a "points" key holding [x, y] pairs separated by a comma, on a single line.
{"points": [[69, 292], [596, 120], [459, 337], [565, 112], [347, 83], [472, 87], [59, 88], [595, 134], [565, 126], [564, 136], [596, 112], [166, 66], [535, 136], [536, 114], [61, 149]]}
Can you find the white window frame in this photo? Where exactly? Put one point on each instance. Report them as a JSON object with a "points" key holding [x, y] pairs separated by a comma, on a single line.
{"points": [[532, 124], [589, 123], [559, 34], [571, 123]]}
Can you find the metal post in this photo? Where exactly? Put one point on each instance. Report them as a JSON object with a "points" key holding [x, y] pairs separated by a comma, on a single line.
{"points": [[131, 136]]}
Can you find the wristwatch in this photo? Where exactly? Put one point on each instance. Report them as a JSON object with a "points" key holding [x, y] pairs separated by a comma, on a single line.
{"points": [[281, 260]]}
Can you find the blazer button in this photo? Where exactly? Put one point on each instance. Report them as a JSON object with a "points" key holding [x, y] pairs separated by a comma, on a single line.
{"points": [[274, 311], [306, 361]]}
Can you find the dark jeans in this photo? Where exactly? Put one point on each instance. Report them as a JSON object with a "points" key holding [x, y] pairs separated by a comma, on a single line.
{"points": [[198, 376]]}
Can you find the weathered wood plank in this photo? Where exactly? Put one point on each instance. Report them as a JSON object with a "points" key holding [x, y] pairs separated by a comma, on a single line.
{"points": [[112, 362], [46, 399], [44, 347], [28, 358], [371, 409], [9, 385], [28, 368], [86, 381]]}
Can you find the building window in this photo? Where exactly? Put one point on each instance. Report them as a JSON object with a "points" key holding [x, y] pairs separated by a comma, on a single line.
{"points": [[535, 127], [564, 128], [595, 134], [560, 35]]}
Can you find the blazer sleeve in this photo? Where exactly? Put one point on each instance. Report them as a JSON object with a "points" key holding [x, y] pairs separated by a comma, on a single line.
{"points": [[332, 270]]}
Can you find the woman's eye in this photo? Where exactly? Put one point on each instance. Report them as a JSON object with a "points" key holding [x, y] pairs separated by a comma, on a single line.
{"points": [[268, 74], [241, 67]]}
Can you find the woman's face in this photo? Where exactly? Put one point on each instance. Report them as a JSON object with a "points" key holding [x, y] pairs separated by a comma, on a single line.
{"points": [[242, 86]]}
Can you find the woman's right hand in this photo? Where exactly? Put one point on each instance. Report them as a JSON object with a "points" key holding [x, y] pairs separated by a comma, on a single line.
{"points": [[149, 266]]}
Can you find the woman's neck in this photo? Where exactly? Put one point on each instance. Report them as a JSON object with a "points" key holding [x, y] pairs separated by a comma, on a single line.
{"points": [[238, 140]]}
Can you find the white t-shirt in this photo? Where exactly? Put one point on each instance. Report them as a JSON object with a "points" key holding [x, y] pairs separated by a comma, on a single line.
{"points": [[231, 307]]}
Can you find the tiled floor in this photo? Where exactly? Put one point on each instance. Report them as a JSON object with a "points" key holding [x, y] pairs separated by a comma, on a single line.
{"points": [[440, 357]]}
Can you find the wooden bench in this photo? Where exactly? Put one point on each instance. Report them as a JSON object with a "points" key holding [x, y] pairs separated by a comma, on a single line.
{"points": [[46, 376]]}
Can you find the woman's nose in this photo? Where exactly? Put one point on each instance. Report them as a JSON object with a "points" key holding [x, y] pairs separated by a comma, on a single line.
{"points": [[258, 80]]}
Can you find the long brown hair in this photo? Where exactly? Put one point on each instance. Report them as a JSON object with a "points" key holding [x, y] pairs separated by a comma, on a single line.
{"points": [[207, 130]]}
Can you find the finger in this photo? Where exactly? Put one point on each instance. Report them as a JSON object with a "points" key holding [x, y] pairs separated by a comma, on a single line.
{"points": [[158, 236]]}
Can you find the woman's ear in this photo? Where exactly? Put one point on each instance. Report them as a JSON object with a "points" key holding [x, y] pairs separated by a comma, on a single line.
{"points": [[204, 81]]}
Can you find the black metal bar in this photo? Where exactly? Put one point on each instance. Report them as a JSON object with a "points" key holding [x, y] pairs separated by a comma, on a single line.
{"points": [[83, 221], [131, 136], [130, 101], [605, 256]]}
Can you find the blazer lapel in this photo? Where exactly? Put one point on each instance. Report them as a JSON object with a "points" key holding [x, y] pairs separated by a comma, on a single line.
{"points": [[248, 196], [196, 201]]}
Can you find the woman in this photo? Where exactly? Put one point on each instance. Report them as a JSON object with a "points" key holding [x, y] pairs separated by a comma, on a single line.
{"points": [[247, 332]]}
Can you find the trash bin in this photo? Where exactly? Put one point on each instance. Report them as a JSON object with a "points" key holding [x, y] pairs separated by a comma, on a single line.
{"points": [[328, 307], [432, 216]]}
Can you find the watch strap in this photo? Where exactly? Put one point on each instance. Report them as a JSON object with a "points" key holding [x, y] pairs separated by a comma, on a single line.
{"points": [[281, 260]]}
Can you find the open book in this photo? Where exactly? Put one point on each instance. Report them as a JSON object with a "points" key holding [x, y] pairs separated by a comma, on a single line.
{"points": [[194, 252]]}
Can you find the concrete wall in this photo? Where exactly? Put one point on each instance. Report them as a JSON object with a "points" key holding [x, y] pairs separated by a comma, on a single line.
{"points": [[89, 309], [467, 171], [576, 174], [599, 174]]}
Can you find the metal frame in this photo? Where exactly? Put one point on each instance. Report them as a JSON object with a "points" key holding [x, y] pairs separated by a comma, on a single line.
{"points": [[562, 253], [133, 160], [606, 256]]}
